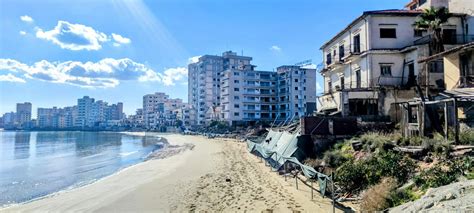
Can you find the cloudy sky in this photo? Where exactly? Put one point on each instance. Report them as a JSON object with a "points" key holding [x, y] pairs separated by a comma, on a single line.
{"points": [[53, 52]]}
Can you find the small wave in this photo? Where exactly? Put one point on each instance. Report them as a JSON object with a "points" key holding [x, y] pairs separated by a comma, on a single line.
{"points": [[124, 154]]}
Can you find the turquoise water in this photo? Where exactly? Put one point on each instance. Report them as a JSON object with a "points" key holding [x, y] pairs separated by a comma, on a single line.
{"points": [[35, 164]]}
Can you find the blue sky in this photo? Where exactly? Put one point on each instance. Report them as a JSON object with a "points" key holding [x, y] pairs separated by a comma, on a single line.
{"points": [[53, 52]]}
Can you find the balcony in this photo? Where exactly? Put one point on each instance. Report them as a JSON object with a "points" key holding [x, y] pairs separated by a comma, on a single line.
{"points": [[447, 39], [390, 81]]}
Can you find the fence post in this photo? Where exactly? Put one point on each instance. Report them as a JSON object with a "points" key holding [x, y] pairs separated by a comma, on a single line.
{"points": [[296, 179], [333, 193]]}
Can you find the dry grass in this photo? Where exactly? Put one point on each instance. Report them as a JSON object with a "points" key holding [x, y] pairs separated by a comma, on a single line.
{"points": [[375, 198]]}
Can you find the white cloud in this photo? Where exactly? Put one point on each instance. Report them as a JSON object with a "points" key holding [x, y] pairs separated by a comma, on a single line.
{"points": [[275, 48], [194, 59], [26, 18], [11, 78], [174, 74], [105, 73], [73, 36], [120, 40], [22, 33]]}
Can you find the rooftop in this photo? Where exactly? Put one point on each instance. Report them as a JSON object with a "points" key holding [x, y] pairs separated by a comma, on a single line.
{"points": [[389, 12]]}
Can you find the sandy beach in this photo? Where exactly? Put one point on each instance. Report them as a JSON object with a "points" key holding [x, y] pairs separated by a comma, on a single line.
{"points": [[217, 175]]}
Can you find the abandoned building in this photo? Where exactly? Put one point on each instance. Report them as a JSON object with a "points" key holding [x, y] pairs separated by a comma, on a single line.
{"points": [[374, 63], [452, 107]]}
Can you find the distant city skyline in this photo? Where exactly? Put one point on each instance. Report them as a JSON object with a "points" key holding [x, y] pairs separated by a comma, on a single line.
{"points": [[55, 52]]}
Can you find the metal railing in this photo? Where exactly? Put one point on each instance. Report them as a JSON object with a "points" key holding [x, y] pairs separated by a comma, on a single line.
{"points": [[447, 39]]}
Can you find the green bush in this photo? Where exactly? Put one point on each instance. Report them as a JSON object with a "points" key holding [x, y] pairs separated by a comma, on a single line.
{"points": [[354, 176], [351, 176], [399, 197], [334, 158], [466, 137]]}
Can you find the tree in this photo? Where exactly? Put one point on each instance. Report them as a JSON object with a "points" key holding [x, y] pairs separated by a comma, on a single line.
{"points": [[432, 20]]}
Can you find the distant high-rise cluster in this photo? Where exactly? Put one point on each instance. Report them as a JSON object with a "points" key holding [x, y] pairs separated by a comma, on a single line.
{"points": [[87, 114]]}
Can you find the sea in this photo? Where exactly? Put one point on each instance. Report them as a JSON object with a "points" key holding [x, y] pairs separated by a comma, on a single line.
{"points": [[37, 164]]}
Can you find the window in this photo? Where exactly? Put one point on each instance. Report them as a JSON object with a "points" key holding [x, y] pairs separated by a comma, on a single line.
{"points": [[341, 52], [296, 88], [236, 81], [296, 80], [236, 89], [357, 44], [236, 73], [385, 70], [436, 66], [418, 32], [342, 82], [236, 114], [328, 59], [358, 79], [236, 106], [421, 2], [388, 33]]}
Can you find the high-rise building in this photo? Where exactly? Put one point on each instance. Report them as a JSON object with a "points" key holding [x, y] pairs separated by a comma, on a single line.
{"points": [[296, 92], [204, 83], [84, 110], [247, 95], [23, 113]]}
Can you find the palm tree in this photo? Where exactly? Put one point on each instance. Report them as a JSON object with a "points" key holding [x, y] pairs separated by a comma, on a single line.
{"points": [[432, 20]]}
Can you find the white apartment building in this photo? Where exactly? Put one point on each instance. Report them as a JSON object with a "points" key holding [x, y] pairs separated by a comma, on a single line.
{"points": [[372, 63], [23, 113], [160, 110], [91, 113], [204, 83], [248, 96], [296, 91]]}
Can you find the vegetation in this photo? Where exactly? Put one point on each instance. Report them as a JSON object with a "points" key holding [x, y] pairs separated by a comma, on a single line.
{"points": [[432, 19], [443, 173], [354, 176], [378, 170], [466, 137], [376, 197], [399, 197]]}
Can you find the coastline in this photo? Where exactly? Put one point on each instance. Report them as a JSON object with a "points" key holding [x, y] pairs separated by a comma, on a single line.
{"points": [[217, 175]]}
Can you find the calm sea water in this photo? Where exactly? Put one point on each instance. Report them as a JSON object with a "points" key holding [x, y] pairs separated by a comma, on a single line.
{"points": [[34, 164]]}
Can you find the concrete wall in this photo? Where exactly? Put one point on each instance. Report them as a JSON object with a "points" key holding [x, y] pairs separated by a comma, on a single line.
{"points": [[451, 71]]}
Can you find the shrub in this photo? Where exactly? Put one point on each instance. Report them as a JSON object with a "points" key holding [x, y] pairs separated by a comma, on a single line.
{"points": [[466, 137], [354, 176], [389, 164], [351, 177], [399, 197], [334, 158], [376, 197]]}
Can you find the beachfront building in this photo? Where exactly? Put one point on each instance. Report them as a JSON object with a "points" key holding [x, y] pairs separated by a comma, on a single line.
{"points": [[9, 119], [23, 114], [248, 96], [455, 104], [372, 63], [296, 91], [92, 113], [159, 110], [204, 83], [56, 118]]}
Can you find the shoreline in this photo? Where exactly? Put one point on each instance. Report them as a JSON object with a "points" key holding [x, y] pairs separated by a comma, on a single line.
{"points": [[217, 175], [163, 153]]}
